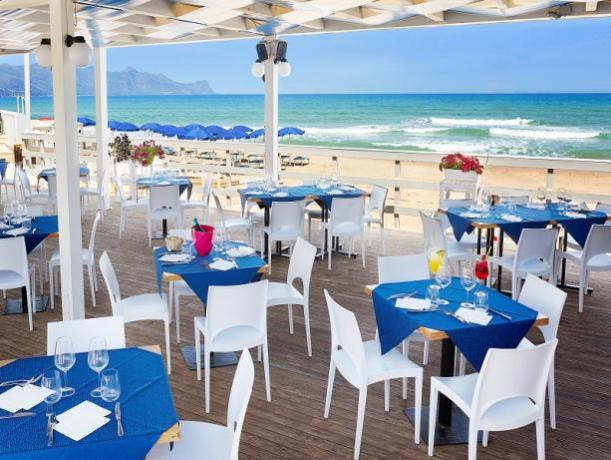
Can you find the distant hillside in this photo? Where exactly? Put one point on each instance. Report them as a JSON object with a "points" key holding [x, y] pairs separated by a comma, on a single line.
{"points": [[128, 82]]}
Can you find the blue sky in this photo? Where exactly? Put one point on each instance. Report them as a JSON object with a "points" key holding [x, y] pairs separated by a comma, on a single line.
{"points": [[549, 56]]}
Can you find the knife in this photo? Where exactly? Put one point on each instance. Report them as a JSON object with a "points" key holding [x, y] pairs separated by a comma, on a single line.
{"points": [[500, 313], [18, 415], [50, 429], [120, 431]]}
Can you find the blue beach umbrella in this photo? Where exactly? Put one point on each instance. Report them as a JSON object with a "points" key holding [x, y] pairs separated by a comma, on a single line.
{"points": [[290, 131], [234, 134], [168, 130], [242, 128], [85, 121], [256, 133], [154, 127], [122, 126], [216, 132], [197, 132], [193, 126], [181, 132]]}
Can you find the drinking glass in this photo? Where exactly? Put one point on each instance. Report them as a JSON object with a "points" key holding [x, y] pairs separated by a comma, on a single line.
{"points": [[436, 260], [481, 300], [97, 359], [443, 279], [219, 239], [481, 270], [468, 282], [64, 360], [52, 380], [110, 385], [541, 194], [26, 223], [432, 294]]}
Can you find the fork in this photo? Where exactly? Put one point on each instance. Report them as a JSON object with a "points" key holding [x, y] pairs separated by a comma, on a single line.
{"points": [[455, 316], [22, 382]]}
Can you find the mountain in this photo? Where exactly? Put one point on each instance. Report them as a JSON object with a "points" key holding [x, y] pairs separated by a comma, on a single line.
{"points": [[128, 82]]}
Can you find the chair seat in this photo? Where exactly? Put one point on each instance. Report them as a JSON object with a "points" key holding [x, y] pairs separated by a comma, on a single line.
{"points": [[85, 254], [90, 191], [458, 251], [231, 339], [182, 288], [286, 234], [144, 306], [237, 222], [532, 266], [163, 213], [192, 204], [598, 262], [373, 218], [10, 279], [283, 293], [345, 229], [197, 440]]}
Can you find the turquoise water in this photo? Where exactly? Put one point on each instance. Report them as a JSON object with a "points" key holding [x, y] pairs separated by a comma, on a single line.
{"points": [[553, 125]]}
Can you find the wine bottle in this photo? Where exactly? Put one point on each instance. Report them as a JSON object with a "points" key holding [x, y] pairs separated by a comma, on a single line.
{"points": [[196, 225]]}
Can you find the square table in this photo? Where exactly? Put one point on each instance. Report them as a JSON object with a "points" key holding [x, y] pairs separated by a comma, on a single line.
{"points": [[148, 412], [395, 324]]}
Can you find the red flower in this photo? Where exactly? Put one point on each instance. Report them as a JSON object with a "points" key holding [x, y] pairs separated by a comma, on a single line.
{"points": [[461, 162]]}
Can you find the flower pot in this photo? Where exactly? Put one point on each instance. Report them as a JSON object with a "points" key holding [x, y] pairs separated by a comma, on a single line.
{"points": [[459, 176], [203, 240]]}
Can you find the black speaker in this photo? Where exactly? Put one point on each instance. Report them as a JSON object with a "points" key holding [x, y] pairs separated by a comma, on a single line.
{"points": [[281, 51], [262, 52]]}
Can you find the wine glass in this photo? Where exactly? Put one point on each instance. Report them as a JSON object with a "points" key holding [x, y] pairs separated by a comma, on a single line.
{"points": [[97, 358], [219, 239], [443, 279], [52, 380], [467, 281], [110, 385], [436, 260], [481, 270], [432, 294], [64, 360], [481, 300], [541, 194]]}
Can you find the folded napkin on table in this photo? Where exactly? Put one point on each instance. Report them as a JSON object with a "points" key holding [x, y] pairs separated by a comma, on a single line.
{"points": [[23, 397], [474, 316], [411, 303], [281, 194], [570, 214], [82, 420], [511, 218], [335, 192], [222, 265], [176, 258], [539, 207], [17, 231], [470, 215], [240, 251], [3, 226]]}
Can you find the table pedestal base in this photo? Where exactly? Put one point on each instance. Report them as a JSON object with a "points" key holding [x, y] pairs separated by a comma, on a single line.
{"points": [[216, 359], [15, 306], [458, 433]]}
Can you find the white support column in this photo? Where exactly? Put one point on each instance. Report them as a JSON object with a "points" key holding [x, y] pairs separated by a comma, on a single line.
{"points": [[26, 91], [271, 119], [101, 117], [66, 148]]}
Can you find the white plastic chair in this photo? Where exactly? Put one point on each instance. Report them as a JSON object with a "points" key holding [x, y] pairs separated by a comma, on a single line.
{"points": [[374, 213], [508, 393], [81, 331], [25, 187], [468, 240], [15, 272], [300, 267], [209, 440], [204, 203], [602, 207], [97, 192], [595, 257], [236, 319], [396, 269], [164, 204], [126, 205], [534, 255], [10, 176], [362, 364], [548, 300], [346, 221], [436, 239], [136, 308], [228, 225], [88, 256], [285, 224]]}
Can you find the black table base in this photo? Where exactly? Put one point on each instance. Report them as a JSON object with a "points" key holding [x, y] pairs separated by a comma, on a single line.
{"points": [[457, 433], [216, 359], [16, 306]]}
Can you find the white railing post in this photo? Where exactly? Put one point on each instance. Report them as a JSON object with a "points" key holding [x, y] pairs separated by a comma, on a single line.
{"points": [[397, 195], [101, 117], [67, 155], [27, 109], [549, 183]]}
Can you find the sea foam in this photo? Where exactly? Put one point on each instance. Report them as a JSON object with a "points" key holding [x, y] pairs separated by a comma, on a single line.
{"points": [[544, 134], [479, 122]]}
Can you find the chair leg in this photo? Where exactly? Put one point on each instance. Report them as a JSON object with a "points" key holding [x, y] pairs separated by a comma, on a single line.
{"points": [[405, 351], [30, 304], [551, 396], [121, 222], [91, 286], [330, 383], [166, 326], [363, 249], [432, 419], [485, 437], [268, 389], [472, 442], [198, 353], [269, 255], [462, 366], [309, 228], [306, 318], [330, 249], [290, 308], [582, 287], [207, 377], [177, 315], [540, 428], [418, 407], [360, 418], [382, 237], [425, 353], [386, 395], [51, 287]]}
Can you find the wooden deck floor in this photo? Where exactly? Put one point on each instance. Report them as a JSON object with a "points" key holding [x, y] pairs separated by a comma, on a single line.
{"points": [[292, 425]]}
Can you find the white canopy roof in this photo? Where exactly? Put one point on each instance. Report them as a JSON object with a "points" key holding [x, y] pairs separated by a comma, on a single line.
{"points": [[23, 23]]}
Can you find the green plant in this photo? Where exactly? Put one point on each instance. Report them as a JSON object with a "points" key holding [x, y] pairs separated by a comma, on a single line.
{"points": [[121, 148]]}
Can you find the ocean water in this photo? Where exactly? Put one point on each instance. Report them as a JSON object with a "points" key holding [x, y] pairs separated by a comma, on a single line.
{"points": [[551, 125]]}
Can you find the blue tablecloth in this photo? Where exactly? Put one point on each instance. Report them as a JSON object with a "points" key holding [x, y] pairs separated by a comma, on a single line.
{"points": [[183, 183], [146, 403], [531, 218], [199, 277], [42, 227], [299, 193], [395, 324], [45, 173], [3, 166]]}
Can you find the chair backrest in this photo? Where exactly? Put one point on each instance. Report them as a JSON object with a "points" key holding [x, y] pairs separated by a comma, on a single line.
{"points": [[24, 183], [377, 199], [9, 174], [345, 334], [301, 264], [239, 396], [36, 211], [598, 242], [167, 196], [94, 230], [516, 199], [237, 305], [432, 230], [513, 373], [110, 279], [119, 188], [602, 207], [394, 269], [81, 331], [14, 256], [287, 216], [347, 210], [219, 208], [455, 203], [207, 188], [544, 298], [536, 244], [184, 233]]}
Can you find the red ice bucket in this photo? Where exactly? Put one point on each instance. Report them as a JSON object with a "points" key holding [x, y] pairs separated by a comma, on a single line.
{"points": [[202, 240]]}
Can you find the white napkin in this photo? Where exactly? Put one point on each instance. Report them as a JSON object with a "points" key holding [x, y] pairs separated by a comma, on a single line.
{"points": [[3, 226], [411, 303], [16, 231], [25, 397], [511, 218], [240, 251], [81, 420], [539, 207], [470, 215], [335, 192], [222, 265], [570, 214], [281, 195], [347, 188], [474, 316], [176, 258]]}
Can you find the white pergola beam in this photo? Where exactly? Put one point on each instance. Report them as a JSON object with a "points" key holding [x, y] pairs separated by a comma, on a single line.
{"points": [[271, 118], [101, 118], [67, 158], [26, 92]]}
